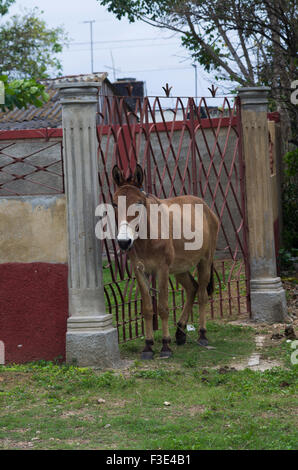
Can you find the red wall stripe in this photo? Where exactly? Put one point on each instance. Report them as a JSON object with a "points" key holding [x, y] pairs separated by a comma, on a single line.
{"points": [[159, 126], [45, 133], [33, 311]]}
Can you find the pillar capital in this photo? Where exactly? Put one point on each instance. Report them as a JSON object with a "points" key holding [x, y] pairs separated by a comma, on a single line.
{"points": [[78, 92], [254, 98]]}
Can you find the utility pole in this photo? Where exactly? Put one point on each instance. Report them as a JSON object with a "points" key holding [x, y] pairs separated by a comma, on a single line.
{"points": [[196, 84], [91, 41]]}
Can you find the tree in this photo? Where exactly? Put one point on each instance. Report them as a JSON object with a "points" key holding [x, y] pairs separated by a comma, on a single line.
{"points": [[28, 51], [29, 48], [20, 93], [4, 6], [245, 42]]}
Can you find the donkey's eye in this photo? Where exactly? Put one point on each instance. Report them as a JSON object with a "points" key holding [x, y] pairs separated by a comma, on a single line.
{"points": [[114, 205]]}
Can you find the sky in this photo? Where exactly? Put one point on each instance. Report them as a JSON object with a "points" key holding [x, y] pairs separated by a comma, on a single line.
{"points": [[133, 49]]}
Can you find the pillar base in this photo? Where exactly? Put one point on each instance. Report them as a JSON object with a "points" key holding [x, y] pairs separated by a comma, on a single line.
{"points": [[89, 323], [93, 349], [268, 300]]}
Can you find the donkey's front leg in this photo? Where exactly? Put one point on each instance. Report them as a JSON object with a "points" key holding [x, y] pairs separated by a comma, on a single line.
{"points": [[163, 311], [147, 312]]}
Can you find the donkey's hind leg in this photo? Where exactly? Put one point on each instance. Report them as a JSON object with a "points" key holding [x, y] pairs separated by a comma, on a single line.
{"points": [[191, 288], [205, 279]]}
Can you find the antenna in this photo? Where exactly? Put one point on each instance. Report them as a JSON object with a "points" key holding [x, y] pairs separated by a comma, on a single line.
{"points": [[91, 41], [113, 65], [114, 70]]}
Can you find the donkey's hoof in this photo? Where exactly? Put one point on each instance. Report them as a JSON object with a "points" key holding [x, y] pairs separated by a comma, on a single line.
{"points": [[165, 350], [165, 354], [203, 342], [180, 336], [147, 355]]}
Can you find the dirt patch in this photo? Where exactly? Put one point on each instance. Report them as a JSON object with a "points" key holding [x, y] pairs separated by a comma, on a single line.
{"points": [[10, 444], [255, 361], [267, 332], [196, 410], [291, 286], [78, 443], [263, 365], [79, 414], [119, 404], [12, 379], [226, 369]]}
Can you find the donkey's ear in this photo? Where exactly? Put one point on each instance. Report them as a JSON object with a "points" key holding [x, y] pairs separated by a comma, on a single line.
{"points": [[138, 176], [117, 176]]}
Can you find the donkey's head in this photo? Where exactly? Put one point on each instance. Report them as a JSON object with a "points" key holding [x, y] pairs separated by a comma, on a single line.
{"points": [[129, 202]]}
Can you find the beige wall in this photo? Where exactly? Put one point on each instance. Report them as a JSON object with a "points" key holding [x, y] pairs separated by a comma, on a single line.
{"points": [[32, 229]]}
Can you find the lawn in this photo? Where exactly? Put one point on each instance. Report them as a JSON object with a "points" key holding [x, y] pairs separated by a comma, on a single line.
{"points": [[180, 403]]}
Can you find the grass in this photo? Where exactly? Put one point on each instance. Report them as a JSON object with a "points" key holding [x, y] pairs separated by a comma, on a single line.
{"points": [[227, 340], [49, 406]]}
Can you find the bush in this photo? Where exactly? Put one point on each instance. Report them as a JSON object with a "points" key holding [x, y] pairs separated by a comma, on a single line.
{"points": [[290, 201]]}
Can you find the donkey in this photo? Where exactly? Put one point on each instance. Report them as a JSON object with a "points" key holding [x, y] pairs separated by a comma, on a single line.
{"points": [[164, 255]]}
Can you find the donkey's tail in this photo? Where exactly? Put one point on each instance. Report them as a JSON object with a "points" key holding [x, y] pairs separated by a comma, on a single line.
{"points": [[210, 287]]}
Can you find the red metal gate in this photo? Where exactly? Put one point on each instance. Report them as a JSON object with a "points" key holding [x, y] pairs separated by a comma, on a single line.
{"points": [[184, 147]]}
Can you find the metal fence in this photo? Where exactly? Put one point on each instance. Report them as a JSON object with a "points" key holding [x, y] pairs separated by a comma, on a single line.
{"points": [[31, 162], [193, 153]]}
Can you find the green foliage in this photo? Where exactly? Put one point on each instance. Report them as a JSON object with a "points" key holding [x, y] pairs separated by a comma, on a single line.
{"points": [[29, 48], [285, 259], [28, 51], [200, 54], [291, 161], [221, 30], [240, 41], [21, 93], [290, 200], [133, 9], [4, 6]]}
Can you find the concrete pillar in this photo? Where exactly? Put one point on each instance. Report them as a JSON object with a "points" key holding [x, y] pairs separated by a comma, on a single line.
{"points": [[276, 176], [91, 339], [268, 300]]}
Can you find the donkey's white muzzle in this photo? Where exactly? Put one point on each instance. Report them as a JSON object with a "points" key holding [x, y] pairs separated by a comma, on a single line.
{"points": [[125, 236]]}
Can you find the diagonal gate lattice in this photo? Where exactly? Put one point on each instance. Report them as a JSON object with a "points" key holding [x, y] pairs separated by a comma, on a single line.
{"points": [[184, 147]]}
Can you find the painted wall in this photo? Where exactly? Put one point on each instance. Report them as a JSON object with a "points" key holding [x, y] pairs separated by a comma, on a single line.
{"points": [[33, 277], [33, 228], [33, 311]]}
